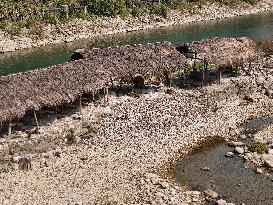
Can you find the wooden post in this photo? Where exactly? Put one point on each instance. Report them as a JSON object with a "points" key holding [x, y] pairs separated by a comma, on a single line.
{"points": [[93, 95], [194, 66], [107, 94], [206, 72], [112, 82], [35, 117], [249, 67], [104, 96], [9, 132], [80, 109], [85, 10], [220, 75], [203, 74]]}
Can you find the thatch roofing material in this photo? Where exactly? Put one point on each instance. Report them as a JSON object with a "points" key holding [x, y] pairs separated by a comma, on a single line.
{"points": [[122, 61], [227, 51], [64, 83]]}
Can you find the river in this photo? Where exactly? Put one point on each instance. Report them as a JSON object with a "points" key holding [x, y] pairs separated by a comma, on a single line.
{"points": [[257, 26]]}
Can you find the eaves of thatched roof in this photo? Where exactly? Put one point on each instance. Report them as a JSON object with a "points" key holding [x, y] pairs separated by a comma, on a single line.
{"points": [[64, 83], [227, 51]]}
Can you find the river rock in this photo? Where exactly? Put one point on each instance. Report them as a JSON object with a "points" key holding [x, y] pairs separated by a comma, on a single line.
{"points": [[210, 193], [270, 151], [268, 160], [164, 185], [205, 169], [229, 154], [239, 150], [269, 141], [221, 202], [235, 144]]}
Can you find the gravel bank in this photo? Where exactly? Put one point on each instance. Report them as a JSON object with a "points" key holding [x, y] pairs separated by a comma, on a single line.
{"points": [[79, 29], [134, 137]]}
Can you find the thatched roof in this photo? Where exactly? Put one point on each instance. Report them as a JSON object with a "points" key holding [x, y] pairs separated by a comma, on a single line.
{"points": [[64, 83], [227, 51]]}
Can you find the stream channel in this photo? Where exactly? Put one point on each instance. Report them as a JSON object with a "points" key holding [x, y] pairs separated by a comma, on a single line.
{"points": [[256, 26]]}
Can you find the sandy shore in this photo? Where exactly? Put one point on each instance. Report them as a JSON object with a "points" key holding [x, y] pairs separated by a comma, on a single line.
{"points": [[131, 138], [80, 29]]}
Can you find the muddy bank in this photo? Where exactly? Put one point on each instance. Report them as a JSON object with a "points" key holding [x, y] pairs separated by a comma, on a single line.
{"points": [[79, 29]]}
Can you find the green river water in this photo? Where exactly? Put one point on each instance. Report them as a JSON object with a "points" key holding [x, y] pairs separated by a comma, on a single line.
{"points": [[258, 26]]}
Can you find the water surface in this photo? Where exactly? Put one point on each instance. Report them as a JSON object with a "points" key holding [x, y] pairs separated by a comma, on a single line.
{"points": [[258, 26], [233, 180]]}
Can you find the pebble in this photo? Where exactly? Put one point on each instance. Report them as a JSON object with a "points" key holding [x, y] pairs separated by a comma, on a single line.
{"points": [[259, 171], [205, 168]]}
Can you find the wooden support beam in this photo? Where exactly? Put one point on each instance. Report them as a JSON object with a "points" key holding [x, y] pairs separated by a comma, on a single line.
{"points": [[203, 73], [107, 95], [194, 66], [35, 117], [206, 71], [80, 105], [93, 95], [219, 75], [9, 131]]}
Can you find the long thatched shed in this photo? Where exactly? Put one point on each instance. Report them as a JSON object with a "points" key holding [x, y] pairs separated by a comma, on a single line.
{"points": [[66, 82], [227, 51]]}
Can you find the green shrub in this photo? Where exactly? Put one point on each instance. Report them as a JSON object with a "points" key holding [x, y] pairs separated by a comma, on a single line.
{"points": [[137, 11], [3, 24], [252, 2], [258, 147]]}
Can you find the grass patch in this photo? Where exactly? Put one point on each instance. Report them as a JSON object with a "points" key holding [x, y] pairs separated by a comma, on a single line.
{"points": [[258, 147]]}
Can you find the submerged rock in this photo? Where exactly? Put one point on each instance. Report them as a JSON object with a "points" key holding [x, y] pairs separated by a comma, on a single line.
{"points": [[229, 154]]}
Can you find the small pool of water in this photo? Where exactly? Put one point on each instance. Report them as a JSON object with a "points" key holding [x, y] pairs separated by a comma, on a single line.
{"points": [[235, 181]]}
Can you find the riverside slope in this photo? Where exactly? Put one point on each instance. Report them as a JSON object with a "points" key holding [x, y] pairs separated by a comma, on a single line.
{"points": [[80, 29]]}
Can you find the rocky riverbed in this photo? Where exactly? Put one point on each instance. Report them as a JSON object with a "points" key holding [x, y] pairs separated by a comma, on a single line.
{"points": [[79, 29], [122, 152]]}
